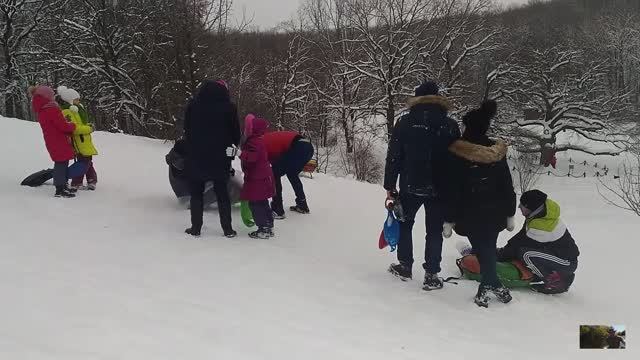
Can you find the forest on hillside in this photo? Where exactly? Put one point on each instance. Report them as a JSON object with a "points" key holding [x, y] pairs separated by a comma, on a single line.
{"points": [[341, 71]]}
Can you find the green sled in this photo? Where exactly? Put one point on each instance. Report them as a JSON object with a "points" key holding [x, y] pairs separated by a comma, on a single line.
{"points": [[245, 213]]}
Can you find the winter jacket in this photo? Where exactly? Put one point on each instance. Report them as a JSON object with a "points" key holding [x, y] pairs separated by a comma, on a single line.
{"points": [[544, 232], [479, 197], [82, 142], [418, 147], [279, 142], [211, 125], [55, 129], [258, 176]]}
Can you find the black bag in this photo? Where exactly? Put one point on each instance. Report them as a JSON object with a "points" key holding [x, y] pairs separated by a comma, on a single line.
{"points": [[37, 179]]}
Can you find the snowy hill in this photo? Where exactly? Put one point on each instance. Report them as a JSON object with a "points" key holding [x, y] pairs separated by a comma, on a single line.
{"points": [[110, 275]]}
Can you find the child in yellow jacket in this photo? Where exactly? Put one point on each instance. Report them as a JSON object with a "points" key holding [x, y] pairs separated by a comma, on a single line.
{"points": [[75, 112]]}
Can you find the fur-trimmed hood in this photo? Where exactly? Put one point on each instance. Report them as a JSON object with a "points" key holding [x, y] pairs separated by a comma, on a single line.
{"points": [[479, 153], [429, 100]]}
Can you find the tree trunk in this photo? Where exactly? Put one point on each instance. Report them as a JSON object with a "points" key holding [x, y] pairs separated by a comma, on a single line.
{"points": [[391, 115]]}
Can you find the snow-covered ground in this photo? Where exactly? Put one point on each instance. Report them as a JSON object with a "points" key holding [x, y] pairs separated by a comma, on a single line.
{"points": [[110, 275]]}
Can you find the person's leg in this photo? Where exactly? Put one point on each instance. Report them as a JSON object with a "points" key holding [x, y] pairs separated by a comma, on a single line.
{"points": [[196, 188], [224, 206], [433, 247], [259, 214], [298, 156], [484, 245], [556, 273], [92, 176], [410, 205], [60, 173], [276, 202], [77, 181]]}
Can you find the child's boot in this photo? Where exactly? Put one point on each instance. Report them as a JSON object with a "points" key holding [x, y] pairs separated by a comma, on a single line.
{"points": [[61, 191]]}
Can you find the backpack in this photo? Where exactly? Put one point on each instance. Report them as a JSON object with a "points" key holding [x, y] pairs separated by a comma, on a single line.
{"points": [[512, 274]]}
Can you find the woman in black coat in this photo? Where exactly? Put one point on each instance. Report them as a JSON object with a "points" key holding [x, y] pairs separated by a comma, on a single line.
{"points": [[211, 126], [481, 201]]}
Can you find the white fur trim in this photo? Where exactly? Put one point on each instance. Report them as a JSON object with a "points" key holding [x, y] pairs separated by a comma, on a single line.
{"points": [[548, 236], [67, 94]]}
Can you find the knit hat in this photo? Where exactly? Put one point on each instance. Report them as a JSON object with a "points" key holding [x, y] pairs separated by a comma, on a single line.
{"points": [[477, 121], [67, 95], [533, 200], [427, 88], [223, 83]]}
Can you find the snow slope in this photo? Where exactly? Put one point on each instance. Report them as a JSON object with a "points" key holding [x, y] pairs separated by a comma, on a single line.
{"points": [[110, 275]]}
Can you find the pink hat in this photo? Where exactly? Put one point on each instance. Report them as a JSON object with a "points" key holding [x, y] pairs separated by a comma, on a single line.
{"points": [[223, 83]]}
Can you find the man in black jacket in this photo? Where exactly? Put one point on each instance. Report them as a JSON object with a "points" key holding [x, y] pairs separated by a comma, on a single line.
{"points": [[211, 126], [417, 152]]}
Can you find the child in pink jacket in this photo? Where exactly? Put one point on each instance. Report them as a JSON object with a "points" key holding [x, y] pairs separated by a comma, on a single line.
{"points": [[258, 177]]}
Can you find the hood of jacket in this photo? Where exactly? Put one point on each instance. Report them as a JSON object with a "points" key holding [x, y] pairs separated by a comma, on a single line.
{"points": [[254, 126], [212, 91], [546, 226], [43, 98], [437, 100], [479, 153]]}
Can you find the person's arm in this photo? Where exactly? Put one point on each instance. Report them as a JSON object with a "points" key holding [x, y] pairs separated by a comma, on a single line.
{"points": [[249, 154], [510, 251], [452, 188], [61, 123], [395, 155]]}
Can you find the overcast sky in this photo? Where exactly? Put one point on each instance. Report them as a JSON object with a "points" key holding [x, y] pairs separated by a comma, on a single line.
{"points": [[268, 13]]}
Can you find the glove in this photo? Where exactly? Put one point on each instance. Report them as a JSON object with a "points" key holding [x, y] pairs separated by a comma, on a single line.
{"points": [[511, 223], [74, 108], [233, 151], [447, 229]]}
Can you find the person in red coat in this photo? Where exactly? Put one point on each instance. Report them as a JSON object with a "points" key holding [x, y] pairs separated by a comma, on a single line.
{"points": [[288, 152], [258, 177], [57, 133]]}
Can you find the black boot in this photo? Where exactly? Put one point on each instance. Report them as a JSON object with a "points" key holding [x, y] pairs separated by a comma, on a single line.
{"points": [[482, 297], [401, 271], [432, 282], [301, 206], [230, 233], [62, 192], [261, 233], [71, 189], [502, 293], [193, 231]]}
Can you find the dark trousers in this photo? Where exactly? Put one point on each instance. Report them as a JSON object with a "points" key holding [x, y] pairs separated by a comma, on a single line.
{"points": [[196, 188], [291, 164], [60, 177], [543, 264], [434, 221], [92, 176], [484, 246], [262, 214]]}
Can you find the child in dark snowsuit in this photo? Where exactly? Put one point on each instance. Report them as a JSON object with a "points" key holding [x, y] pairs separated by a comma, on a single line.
{"points": [[481, 202], [258, 177], [57, 136]]}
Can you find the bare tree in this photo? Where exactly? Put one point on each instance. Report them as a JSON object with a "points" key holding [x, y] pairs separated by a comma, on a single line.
{"points": [[526, 169], [624, 194], [559, 90], [20, 20]]}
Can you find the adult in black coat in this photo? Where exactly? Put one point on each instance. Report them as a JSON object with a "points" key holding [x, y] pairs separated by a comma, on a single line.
{"points": [[417, 154], [211, 126], [480, 201]]}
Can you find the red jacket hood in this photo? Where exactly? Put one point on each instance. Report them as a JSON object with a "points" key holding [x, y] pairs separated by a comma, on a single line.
{"points": [[43, 98]]}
